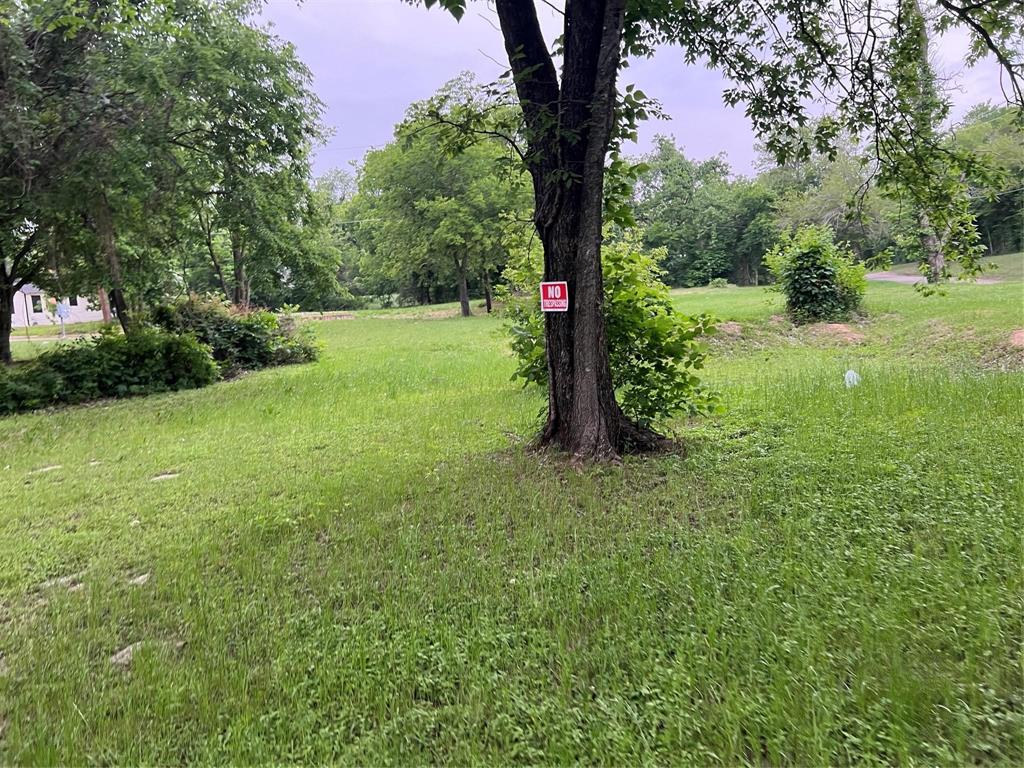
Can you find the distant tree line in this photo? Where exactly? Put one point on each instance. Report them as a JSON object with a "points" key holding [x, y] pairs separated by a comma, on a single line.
{"points": [[714, 224], [417, 224]]}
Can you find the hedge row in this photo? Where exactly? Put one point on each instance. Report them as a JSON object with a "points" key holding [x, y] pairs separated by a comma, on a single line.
{"points": [[197, 342]]}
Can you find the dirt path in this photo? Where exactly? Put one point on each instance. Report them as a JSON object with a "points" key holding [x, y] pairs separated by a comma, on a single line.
{"points": [[896, 277]]}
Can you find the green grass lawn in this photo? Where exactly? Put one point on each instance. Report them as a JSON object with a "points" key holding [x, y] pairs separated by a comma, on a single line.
{"points": [[72, 329], [27, 343], [357, 561]]}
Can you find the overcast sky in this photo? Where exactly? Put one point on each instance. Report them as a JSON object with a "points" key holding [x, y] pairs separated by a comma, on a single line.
{"points": [[371, 58]]}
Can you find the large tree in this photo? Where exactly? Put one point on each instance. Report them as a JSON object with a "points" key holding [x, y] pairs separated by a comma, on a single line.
{"points": [[137, 133], [782, 56], [45, 103], [438, 220]]}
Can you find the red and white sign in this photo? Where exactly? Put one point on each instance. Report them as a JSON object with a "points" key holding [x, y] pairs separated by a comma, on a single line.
{"points": [[554, 297]]}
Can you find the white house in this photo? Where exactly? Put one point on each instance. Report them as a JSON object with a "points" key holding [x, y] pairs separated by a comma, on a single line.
{"points": [[32, 306]]}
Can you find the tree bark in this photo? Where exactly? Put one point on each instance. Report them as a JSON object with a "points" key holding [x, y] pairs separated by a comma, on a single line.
{"points": [[104, 304], [463, 287], [242, 292], [569, 129], [488, 303], [103, 218], [6, 322]]}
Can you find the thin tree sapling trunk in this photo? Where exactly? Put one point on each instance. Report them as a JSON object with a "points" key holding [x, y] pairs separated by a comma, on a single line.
{"points": [[104, 301], [6, 321], [207, 226], [103, 218], [463, 287], [241, 294]]}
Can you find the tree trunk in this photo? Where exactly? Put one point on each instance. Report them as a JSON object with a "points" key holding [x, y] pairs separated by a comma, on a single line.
{"points": [[931, 249], [583, 416], [463, 287], [6, 322], [487, 291], [104, 221], [241, 295], [208, 237], [104, 305]]}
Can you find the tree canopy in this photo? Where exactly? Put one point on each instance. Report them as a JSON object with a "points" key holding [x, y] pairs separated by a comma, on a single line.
{"points": [[149, 145]]}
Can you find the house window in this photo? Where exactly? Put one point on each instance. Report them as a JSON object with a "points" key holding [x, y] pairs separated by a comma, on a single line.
{"points": [[73, 301], [37, 302]]}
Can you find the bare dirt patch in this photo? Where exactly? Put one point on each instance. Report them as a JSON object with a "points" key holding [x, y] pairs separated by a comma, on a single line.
{"points": [[72, 582], [1017, 338], [838, 331], [730, 328], [124, 657]]}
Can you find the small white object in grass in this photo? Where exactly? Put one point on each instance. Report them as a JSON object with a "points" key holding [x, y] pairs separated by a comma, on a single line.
{"points": [[164, 476], [852, 378]]}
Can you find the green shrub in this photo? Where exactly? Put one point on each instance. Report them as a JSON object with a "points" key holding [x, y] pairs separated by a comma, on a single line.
{"points": [[654, 350], [718, 282], [819, 278], [110, 365], [240, 340]]}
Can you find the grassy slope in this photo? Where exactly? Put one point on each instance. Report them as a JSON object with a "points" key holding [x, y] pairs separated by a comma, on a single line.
{"points": [[366, 566], [1006, 267]]}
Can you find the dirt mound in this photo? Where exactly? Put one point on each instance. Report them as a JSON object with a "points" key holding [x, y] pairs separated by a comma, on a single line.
{"points": [[1017, 338], [838, 331], [730, 329]]}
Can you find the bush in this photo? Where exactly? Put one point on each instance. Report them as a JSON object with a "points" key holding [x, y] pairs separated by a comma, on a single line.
{"points": [[654, 350], [240, 340], [110, 365], [819, 278], [718, 282]]}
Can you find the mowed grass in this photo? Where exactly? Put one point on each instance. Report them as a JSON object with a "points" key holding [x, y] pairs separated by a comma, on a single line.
{"points": [[366, 566], [28, 343]]}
